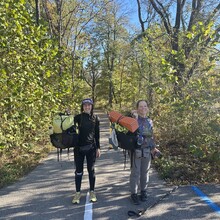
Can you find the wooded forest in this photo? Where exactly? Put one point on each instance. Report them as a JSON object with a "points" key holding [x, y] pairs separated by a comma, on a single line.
{"points": [[54, 53]]}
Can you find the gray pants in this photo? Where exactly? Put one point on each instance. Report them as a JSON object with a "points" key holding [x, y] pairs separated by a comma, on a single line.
{"points": [[139, 176]]}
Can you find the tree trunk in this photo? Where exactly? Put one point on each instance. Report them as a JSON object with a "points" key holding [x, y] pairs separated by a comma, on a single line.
{"points": [[37, 3]]}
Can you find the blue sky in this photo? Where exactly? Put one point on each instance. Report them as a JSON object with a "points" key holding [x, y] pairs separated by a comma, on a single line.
{"points": [[131, 6]]}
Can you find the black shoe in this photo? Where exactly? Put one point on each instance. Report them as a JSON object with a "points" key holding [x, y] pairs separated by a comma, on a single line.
{"points": [[134, 198], [143, 196]]}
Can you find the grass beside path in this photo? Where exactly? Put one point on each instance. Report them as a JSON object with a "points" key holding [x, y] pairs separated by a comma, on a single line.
{"points": [[17, 162]]}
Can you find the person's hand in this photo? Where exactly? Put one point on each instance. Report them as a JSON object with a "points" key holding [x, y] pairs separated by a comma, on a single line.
{"points": [[98, 153], [156, 153], [134, 113]]}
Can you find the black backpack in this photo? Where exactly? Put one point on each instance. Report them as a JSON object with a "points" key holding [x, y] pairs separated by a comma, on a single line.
{"points": [[127, 141]]}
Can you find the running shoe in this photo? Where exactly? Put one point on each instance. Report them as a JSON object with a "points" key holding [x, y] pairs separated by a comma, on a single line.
{"points": [[76, 198], [143, 196], [93, 197], [134, 199]]}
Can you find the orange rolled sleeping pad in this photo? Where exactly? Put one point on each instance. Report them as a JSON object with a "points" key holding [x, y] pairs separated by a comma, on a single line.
{"points": [[130, 123]]}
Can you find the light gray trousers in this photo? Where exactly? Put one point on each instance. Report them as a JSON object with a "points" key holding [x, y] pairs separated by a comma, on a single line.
{"points": [[139, 176]]}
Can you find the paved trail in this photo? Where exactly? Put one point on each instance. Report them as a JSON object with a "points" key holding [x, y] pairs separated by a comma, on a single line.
{"points": [[46, 193]]}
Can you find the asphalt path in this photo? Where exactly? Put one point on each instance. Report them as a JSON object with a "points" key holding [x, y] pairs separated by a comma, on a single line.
{"points": [[46, 193]]}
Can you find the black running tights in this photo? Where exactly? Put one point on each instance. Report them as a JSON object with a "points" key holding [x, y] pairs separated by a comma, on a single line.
{"points": [[79, 164]]}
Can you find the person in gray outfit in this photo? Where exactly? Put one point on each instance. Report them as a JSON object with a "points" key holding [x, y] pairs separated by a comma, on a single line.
{"points": [[141, 156]]}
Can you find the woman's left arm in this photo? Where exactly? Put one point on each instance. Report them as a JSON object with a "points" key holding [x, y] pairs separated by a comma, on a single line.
{"points": [[153, 137], [97, 137]]}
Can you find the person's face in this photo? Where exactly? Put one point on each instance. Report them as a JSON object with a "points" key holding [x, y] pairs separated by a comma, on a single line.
{"points": [[87, 107], [142, 108]]}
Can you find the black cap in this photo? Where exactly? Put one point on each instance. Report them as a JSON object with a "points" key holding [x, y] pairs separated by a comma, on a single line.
{"points": [[88, 100]]}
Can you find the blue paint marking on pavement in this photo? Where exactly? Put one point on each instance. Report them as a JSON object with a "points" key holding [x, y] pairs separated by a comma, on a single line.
{"points": [[206, 199]]}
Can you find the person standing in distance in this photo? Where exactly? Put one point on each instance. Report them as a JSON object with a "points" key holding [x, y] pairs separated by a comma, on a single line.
{"points": [[141, 156], [88, 147]]}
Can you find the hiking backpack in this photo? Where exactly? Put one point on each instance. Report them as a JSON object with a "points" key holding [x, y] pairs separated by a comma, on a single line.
{"points": [[63, 134]]}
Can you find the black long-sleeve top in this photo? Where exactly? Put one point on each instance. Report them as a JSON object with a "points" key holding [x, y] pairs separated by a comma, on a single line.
{"points": [[88, 127]]}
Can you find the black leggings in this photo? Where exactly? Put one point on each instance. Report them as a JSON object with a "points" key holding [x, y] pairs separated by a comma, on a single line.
{"points": [[79, 163]]}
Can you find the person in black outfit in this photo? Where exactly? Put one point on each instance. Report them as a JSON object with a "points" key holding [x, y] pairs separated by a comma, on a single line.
{"points": [[88, 146]]}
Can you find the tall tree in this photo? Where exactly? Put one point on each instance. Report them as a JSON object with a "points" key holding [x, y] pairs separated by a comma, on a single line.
{"points": [[68, 21], [91, 71], [194, 31], [110, 30], [145, 25]]}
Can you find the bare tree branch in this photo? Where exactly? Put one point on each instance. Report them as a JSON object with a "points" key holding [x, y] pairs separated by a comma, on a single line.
{"points": [[140, 16], [163, 17]]}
